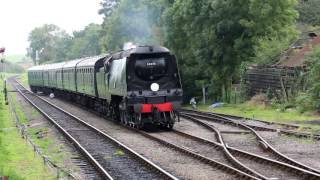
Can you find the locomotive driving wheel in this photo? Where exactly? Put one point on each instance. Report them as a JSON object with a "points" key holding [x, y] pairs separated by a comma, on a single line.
{"points": [[124, 117], [138, 121], [170, 126], [171, 120], [123, 113]]}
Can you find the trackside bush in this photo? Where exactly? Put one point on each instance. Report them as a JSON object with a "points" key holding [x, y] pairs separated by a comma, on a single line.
{"points": [[314, 78]]}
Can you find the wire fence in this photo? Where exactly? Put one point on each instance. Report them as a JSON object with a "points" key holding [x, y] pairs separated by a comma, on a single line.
{"points": [[61, 173]]}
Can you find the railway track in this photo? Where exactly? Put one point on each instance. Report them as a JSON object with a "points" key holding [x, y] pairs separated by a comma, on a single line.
{"points": [[229, 162], [260, 122], [254, 157], [109, 158], [279, 160], [215, 164], [282, 128], [216, 161], [216, 152]]}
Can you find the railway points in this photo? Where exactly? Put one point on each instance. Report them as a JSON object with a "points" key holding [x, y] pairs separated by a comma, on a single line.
{"points": [[229, 164]]}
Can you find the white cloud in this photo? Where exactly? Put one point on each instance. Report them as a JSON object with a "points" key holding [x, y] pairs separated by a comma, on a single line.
{"points": [[19, 17]]}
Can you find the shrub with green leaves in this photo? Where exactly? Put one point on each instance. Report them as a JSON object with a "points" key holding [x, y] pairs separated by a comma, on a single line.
{"points": [[314, 77], [304, 102]]}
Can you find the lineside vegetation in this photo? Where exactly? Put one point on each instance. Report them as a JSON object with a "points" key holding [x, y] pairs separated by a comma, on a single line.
{"points": [[17, 158]]}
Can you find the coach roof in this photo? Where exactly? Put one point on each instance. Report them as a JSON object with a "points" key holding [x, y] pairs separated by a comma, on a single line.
{"points": [[37, 68], [89, 62], [54, 66], [72, 64]]}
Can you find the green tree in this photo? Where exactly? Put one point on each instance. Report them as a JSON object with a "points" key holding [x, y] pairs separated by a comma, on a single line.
{"points": [[213, 38], [314, 77], [108, 7], [49, 42], [309, 12], [85, 42]]}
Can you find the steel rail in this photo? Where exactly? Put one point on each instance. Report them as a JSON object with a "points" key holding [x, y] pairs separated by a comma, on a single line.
{"points": [[234, 161], [196, 155], [144, 160], [225, 146], [262, 141], [291, 126], [289, 131], [82, 150], [306, 174], [23, 132], [186, 151]]}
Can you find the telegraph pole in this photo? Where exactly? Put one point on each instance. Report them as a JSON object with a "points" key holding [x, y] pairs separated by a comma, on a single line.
{"points": [[2, 50]]}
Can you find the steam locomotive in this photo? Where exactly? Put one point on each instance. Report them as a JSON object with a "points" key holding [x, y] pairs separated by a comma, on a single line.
{"points": [[137, 86]]}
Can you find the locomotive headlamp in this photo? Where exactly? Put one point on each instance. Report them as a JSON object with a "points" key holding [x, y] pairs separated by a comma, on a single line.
{"points": [[155, 87]]}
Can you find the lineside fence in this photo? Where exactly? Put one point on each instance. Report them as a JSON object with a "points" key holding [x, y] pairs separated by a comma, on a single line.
{"points": [[278, 81], [61, 173]]}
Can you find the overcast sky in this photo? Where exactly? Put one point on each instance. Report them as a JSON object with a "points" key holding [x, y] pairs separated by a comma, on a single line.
{"points": [[19, 17]]}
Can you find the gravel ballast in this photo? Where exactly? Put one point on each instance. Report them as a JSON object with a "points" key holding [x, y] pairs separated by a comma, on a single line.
{"points": [[172, 161]]}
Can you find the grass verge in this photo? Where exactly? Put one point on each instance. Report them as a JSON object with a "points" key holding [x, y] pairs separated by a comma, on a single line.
{"points": [[24, 79], [17, 158], [259, 112], [266, 113], [41, 135]]}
